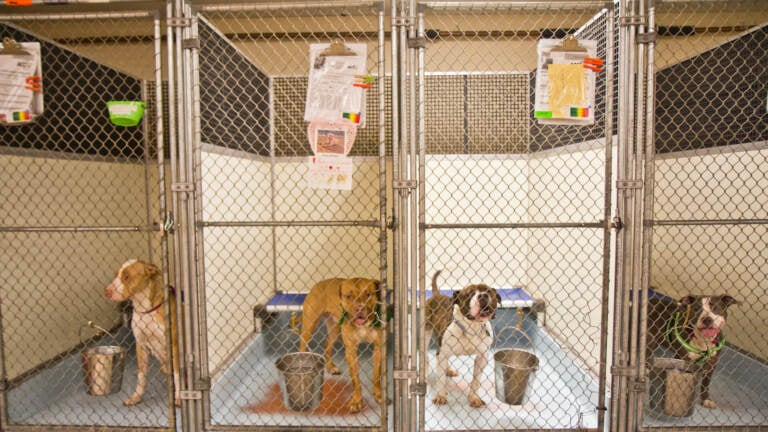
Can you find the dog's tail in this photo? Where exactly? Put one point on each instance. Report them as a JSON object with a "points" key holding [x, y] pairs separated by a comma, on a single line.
{"points": [[435, 290]]}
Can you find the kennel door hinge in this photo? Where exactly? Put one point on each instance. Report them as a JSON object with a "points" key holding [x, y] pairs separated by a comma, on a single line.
{"points": [[191, 394], [179, 22], [402, 21], [638, 386], [622, 371], [632, 20], [182, 187], [647, 37], [417, 42], [404, 184], [190, 43], [405, 374], [419, 388]]}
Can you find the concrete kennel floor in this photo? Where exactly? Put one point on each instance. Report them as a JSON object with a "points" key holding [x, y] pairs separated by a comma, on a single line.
{"points": [[57, 395]]}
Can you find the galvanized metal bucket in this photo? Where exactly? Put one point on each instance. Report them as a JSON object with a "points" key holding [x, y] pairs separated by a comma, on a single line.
{"points": [[103, 367], [514, 368], [673, 386], [302, 383]]}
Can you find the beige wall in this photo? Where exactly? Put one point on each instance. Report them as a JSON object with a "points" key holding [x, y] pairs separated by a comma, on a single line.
{"points": [[51, 283], [716, 259]]}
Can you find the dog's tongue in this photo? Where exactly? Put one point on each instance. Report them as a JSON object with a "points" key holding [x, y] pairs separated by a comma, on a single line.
{"points": [[708, 332], [360, 320]]}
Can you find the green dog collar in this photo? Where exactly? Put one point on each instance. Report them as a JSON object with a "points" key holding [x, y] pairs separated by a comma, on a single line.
{"points": [[673, 328]]}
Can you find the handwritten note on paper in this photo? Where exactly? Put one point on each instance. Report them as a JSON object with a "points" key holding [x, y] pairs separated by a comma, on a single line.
{"points": [[20, 85]]}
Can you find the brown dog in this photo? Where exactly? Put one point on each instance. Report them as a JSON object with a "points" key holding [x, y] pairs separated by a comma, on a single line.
{"points": [[141, 284], [438, 313], [350, 307]]}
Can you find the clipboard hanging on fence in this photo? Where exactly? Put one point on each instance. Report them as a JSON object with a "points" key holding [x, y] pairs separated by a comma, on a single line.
{"points": [[337, 82], [21, 85], [565, 81]]}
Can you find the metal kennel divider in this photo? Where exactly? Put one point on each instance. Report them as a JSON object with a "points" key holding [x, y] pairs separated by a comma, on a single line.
{"points": [[83, 197]]}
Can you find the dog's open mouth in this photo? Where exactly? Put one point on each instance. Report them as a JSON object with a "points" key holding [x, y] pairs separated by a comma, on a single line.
{"points": [[360, 318], [709, 332]]}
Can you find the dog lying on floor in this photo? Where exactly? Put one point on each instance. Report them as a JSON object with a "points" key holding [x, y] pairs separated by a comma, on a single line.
{"points": [[693, 328], [350, 307], [469, 333], [141, 283]]}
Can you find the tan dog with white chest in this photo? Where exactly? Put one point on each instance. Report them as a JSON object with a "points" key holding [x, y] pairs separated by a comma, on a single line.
{"points": [[141, 284], [349, 307]]}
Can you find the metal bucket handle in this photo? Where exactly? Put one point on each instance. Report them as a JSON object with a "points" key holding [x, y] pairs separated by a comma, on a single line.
{"points": [[92, 325], [519, 327]]}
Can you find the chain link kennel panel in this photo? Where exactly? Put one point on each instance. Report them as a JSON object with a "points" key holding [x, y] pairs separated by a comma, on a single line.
{"points": [[80, 198], [518, 205], [709, 216], [269, 235]]}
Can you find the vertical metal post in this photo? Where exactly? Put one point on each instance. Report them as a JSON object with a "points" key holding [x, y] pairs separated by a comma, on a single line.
{"points": [[383, 267], [648, 187], [608, 119], [200, 376], [397, 238], [624, 212], [421, 300], [162, 210]]}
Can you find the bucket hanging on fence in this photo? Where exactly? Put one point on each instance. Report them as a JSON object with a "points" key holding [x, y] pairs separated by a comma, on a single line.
{"points": [[302, 383], [673, 386], [513, 369], [103, 367]]}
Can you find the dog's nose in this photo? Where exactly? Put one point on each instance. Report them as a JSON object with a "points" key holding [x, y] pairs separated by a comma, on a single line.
{"points": [[707, 321]]}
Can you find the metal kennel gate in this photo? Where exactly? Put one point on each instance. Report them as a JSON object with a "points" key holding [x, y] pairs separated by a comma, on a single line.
{"points": [[507, 200]]}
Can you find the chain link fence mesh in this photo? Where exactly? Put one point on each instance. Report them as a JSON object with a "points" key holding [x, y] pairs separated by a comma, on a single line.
{"points": [[709, 214], [80, 198], [516, 205], [269, 233]]}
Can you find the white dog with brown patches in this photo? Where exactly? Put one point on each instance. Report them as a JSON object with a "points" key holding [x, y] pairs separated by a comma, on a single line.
{"points": [[141, 284], [469, 333]]}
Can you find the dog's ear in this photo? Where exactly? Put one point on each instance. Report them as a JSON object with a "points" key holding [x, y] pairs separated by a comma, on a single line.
{"points": [[151, 270], [687, 300], [498, 301], [728, 300]]}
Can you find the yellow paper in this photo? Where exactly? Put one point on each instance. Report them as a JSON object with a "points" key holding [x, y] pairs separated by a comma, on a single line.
{"points": [[567, 88]]}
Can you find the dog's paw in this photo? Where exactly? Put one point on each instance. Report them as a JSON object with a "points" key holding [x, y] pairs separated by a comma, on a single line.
{"points": [[709, 403], [355, 405], [451, 373], [439, 400], [476, 402], [133, 400], [333, 369]]}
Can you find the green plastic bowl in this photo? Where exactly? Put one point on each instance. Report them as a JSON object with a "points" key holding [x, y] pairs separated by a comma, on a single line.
{"points": [[125, 113]]}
